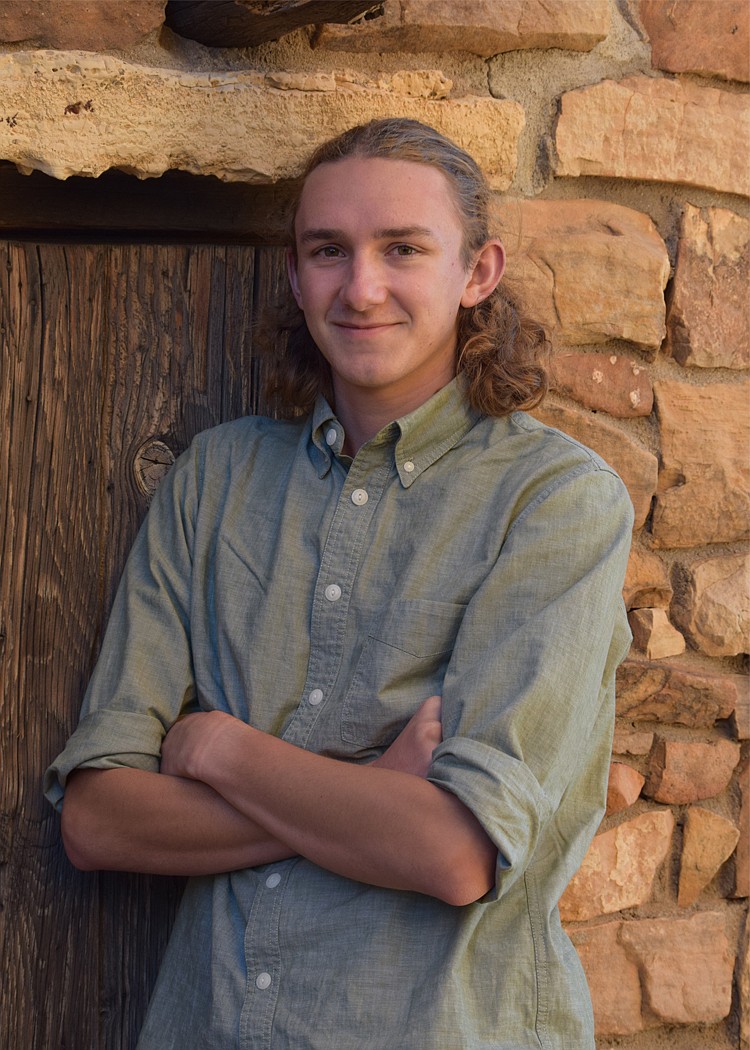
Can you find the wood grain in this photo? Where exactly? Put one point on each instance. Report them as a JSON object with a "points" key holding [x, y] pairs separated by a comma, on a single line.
{"points": [[102, 349]]}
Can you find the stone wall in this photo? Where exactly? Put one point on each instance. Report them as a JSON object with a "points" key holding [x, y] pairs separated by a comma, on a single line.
{"points": [[616, 133]]}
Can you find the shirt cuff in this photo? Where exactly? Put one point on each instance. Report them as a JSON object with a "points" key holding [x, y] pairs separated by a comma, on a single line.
{"points": [[503, 795], [136, 737]]}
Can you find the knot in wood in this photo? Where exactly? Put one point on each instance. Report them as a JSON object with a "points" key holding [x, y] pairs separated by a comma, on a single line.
{"points": [[152, 461]]}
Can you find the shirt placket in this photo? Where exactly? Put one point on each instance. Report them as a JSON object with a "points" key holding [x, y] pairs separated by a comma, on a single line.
{"points": [[340, 561], [344, 548]]}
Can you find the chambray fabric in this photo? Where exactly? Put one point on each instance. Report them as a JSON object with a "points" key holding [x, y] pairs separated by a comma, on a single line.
{"points": [[322, 599]]}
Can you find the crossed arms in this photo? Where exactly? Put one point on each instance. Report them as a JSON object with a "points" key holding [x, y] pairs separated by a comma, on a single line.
{"points": [[229, 796]]}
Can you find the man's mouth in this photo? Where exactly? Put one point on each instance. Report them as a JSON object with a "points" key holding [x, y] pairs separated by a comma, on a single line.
{"points": [[369, 327]]}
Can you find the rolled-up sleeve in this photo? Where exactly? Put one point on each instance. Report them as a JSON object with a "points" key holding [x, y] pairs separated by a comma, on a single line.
{"points": [[144, 676], [528, 698]]}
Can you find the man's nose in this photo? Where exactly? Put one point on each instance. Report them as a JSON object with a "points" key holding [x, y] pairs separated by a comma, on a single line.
{"points": [[364, 284]]}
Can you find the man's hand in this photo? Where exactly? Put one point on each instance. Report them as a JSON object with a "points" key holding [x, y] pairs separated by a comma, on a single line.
{"points": [[188, 747], [411, 751]]}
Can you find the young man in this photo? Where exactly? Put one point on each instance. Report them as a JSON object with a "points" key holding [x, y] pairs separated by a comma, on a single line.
{"points": [[358, 679]]}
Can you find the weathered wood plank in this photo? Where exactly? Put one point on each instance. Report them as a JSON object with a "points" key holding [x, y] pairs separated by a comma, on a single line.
{"points": [[102, 349], [247, 23], [50, 608]]}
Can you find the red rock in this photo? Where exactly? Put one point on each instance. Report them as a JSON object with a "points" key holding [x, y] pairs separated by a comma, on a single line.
{"points": [[708, 840], [658, 130], [612, 979], [624, 787], [742, 707], [96, 25], [708, 325], [631, 742], [593, 271], [699, 36], [712, 606], [687, 771], [662, 692], [647, 583], [481, 27], [742, 853], [703, 495], [686, 966], [743, 987], [619, 869], [609, 383], [654, 635], [636, 465]]}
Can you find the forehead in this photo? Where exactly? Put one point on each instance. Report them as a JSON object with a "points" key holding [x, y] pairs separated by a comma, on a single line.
{"points": [[381, 191]]}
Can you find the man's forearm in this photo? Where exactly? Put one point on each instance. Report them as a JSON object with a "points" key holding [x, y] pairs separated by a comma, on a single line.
{"points": [[131, 820], [380, 826]]}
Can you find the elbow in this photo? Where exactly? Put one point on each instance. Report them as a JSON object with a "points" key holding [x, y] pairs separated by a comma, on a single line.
{"points": [[467, 879], [75, 846], [80, 827]]}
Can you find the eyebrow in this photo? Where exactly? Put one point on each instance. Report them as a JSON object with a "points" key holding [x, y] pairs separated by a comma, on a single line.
{"points": [[388, 233]]}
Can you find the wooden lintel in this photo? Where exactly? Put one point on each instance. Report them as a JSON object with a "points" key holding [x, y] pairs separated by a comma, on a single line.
{"points": [[247, 23], [177, 207]]}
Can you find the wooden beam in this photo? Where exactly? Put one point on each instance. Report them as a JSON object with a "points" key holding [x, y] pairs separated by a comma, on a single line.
{"points": [[247, 23], [177, 206]]}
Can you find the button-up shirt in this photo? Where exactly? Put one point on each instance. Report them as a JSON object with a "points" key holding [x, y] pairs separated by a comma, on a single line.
{"points": [[322, 599]]}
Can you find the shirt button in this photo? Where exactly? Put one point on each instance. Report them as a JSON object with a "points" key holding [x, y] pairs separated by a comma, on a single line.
{"points": [[333, 592], [331, 436], [408, 466], [359, 497], [315, 697], [272, 882], [263, 981]]}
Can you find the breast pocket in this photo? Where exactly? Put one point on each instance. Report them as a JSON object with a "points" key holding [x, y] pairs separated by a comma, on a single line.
{"points": [[403, 661]]}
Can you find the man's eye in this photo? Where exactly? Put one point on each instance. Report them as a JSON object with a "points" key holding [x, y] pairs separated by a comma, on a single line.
{"points": [[405, 250], [329, 251]]}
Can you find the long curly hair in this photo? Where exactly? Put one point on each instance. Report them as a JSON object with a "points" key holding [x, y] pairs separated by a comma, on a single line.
{"points": [[499, 348]]}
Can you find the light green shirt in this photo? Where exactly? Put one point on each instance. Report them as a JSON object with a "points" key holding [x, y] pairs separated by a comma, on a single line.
{"points": [[323, 599]]}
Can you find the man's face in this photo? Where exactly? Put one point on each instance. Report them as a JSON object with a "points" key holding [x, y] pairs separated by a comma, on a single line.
{"points": [[379, 276]]}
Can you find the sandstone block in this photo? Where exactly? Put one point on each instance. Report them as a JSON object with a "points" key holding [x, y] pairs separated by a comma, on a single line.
{"points": [[682, 771], [743, 987], [80, 114], [619, 869], [742, 707], [624, 787], [650, 692], [94, 26], [636, 465], [658, 130], [742, 854], [704, 483], [647, 583], [631, 742], [605, 382], [709, 322], [612, 979], [686, 966], [708, 840], [712, 607], [481, 27], [593, 271], [654, 635], [699, 36]]}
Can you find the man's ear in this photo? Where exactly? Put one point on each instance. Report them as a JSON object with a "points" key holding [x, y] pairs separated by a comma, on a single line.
{"points": [[489, 267], [291, 270]]}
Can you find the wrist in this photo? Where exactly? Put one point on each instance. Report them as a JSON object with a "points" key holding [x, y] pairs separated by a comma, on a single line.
{"points": [[225, 743]]}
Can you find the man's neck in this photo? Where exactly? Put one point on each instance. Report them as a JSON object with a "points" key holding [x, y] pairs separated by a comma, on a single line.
{"points": [[363, 413]]}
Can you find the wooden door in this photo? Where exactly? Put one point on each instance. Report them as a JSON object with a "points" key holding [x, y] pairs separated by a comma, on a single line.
{"points": [[111, 358]]}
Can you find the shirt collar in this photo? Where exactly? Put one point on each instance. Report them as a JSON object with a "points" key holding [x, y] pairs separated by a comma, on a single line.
{"points": [[419, 438]]}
